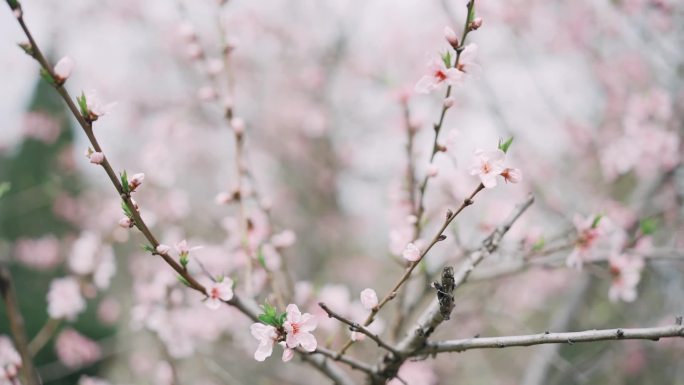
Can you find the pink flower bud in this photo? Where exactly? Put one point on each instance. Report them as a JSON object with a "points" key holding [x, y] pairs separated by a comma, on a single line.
{"points": [[135, 181], [411, 253], [369, 299], [126, 222], [163, 249], [476, 23], [238, 125], [63, 68], [451, 37], [449, 102], [432, 170], [194, 51], [96, 158]]}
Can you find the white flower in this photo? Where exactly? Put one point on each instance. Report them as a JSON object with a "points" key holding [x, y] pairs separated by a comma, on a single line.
{"points": [[218, 292], [488, 165], [267, 335], [63, 68]]}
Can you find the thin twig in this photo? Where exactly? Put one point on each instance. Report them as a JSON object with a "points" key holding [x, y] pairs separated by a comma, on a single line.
{"points": [[654, 334], [16, 325], [355, 326]]}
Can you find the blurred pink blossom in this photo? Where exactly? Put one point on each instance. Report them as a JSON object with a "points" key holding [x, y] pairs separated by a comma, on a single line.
{"points": [[626, 274], [369, 299], [75, 350], [40, 126], [411, 252], [40, 253], [64, 298]]}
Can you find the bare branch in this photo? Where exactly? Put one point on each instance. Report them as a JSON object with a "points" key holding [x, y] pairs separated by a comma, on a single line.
{"points": [[653, 334]]}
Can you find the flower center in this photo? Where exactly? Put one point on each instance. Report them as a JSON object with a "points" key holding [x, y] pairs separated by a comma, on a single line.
{"points": [[214, 293], [440, 75]]}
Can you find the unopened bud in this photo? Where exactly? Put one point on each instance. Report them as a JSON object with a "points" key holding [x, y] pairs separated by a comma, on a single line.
{"points": [[63, 69], [449, 102], [451, 37], [476, 23], [126, 222], [238, 125], [96, 158]]}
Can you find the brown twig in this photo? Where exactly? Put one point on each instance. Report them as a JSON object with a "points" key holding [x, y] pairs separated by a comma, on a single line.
{"points": [[355, 326], [16, 325]]}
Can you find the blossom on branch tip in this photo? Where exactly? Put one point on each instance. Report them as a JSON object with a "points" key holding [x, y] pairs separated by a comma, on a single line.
{"points": [[299, 327], [63, 69], [369, 299], [411, 252], [488, 165], [96, 107], [438, 74], [218, 292], [267, 336]]}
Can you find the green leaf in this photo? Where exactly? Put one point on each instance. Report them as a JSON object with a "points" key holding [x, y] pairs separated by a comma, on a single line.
{"points": [[261, 259], [126, 209], [503, 146], [446, 58], [648, 226], [539, 244], [597, 220], [184, 260], [471, 11], [148, 248], [5, 187], [83, 104], [124, 182], [47, 77], [183, 280], [26, 47]]}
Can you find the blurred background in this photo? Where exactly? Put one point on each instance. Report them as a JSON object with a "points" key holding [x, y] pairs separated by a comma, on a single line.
{"points": [[591, 90]]}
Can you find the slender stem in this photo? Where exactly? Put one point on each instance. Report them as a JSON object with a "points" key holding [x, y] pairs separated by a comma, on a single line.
{"points": [[43, 336], [353, 363], [653, 334], [354, 326], [16, 325], [438, 237]]}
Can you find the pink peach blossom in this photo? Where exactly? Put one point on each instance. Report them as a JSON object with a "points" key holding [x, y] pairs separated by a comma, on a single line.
{"points": [[267, 336], [64, 299], [626, 274], [96, 158], [299, 327], [488, 166], [75, 350], [438, 74], [218, 292]]}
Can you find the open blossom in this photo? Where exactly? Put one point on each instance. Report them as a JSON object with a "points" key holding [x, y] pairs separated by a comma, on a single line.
{"points": [[96, 106], [183, 249], [64, 298], [512, 175], [626, 274], [438, 74], [589, 231], [219, 291], [75, 350], [267, 336], [369, 299], [488, 165], [411, 252], [63, 68], [10, 361], [466, 62], [285, 238], [299, 327]]}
